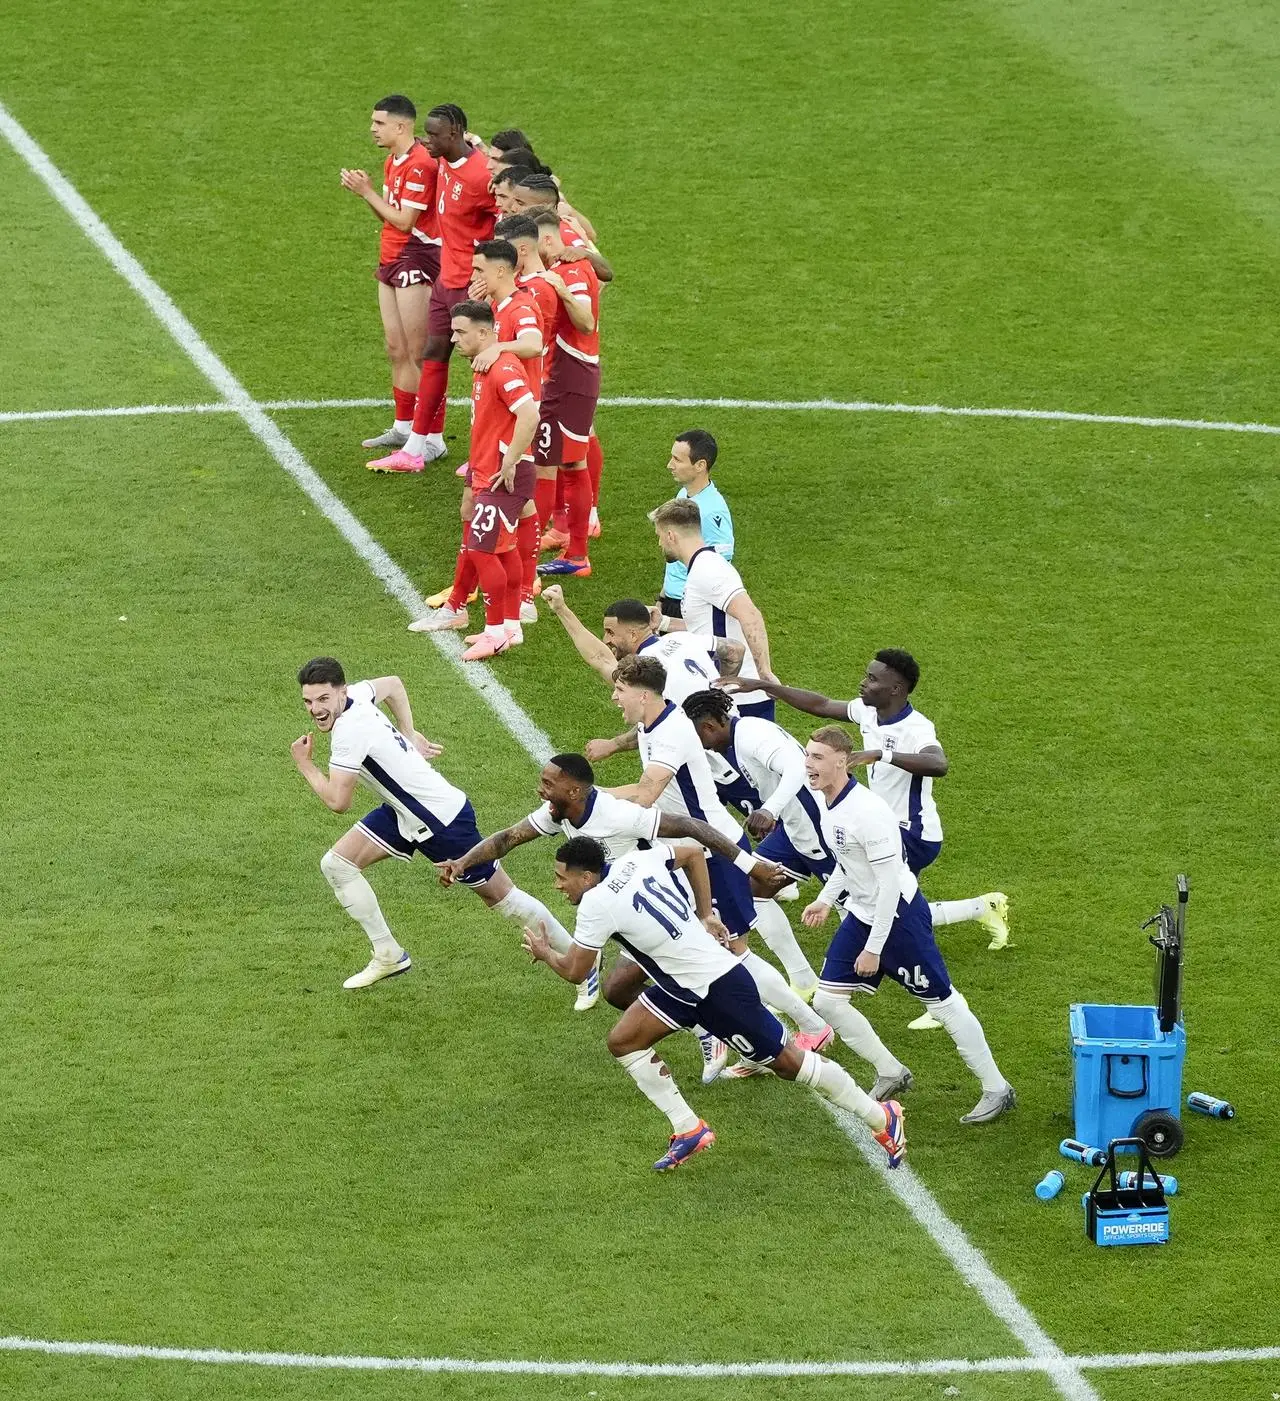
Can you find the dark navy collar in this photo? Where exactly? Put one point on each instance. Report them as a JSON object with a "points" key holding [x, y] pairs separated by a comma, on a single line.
{"points": [[348, 705], [588, 808], [731, 754], [843, 793], [651, 641], [666, 710], [894, 719], [702, 550]]}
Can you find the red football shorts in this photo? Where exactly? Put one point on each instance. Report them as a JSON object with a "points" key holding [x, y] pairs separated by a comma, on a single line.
{"points": [[440, 308], [417, 265], [494, 518]]}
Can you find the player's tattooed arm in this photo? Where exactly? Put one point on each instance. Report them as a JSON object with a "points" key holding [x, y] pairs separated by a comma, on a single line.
{"points": [[751, 619], [598, 749], [590, 648], [729, 656], [492, 848], [772, 877]]}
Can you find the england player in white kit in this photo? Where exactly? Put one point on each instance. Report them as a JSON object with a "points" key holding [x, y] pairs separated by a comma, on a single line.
{"points": [[783, 817], [715, 602], [691, 662], [676, 778], [421, 811], [641, 901], [886, 927]]}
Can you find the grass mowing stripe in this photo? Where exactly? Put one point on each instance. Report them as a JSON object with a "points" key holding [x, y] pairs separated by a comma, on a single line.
{"points": [[631, 402], [970, 1263], [931, 1367]]}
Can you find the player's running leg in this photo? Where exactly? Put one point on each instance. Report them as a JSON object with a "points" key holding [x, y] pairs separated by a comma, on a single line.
{"points": [[971, 1042], [774, 928], [630, 1042], [991, 911], [831, 1003], [777, 995], [343, 866]]}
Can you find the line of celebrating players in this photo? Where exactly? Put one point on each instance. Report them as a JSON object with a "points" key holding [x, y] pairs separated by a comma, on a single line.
{"points": [[480, 251]]}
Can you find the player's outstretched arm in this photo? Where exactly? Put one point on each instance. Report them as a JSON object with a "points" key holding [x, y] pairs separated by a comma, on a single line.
{"points": [[597, 749], [590, 648], [929, 762], [573, 965], [751, 618], [492, 848], [334, 790], [811, 702]]}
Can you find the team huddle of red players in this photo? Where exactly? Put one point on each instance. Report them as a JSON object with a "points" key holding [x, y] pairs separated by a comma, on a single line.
{"points": [[480, 251]]}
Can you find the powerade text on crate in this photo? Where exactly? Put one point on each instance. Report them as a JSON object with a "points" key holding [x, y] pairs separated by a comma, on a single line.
{"points": [[1115, 1214]]}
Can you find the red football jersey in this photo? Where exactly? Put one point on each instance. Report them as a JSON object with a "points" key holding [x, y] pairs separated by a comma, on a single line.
{"points": [[570, 237], [549, 305], [409, 182], [495, 396], [515, 317], [581, 280], [467, 215]]}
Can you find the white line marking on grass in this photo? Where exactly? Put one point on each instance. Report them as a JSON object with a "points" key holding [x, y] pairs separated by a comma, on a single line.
{"points": [[928, 1367], [630, 402], [973, 1268], [236, 399]]}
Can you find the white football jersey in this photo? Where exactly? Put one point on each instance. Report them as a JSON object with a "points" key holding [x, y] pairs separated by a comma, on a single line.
{"points": [[619, 826], [364, 741], [672, 742], [772, 761], [688, 659], [644, 904], [860, 828], [712, 584], [909, 795]]}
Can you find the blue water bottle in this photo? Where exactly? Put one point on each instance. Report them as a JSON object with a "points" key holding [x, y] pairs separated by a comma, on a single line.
{"points": [[1206, 1104], [1130, 1179], [1050, 1185], [1082, 1152]]}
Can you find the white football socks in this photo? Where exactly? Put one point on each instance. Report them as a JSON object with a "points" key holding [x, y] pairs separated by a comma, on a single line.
{"points": [[658, 1086], [835, 1083], [356, 896], [966, 1031], [856, 1031], [774, 928], [524, 908], [957, 911], [776, 992], [416, 445], [403, 425]]}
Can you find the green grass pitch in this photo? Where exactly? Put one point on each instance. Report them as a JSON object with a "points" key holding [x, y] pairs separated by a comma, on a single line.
{"points": [[205, 1142]]}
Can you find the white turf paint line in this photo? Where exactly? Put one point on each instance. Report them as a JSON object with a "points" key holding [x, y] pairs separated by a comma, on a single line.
{"points": [[236, 399], [628, 402], [973, 1268], [931, 1367]]}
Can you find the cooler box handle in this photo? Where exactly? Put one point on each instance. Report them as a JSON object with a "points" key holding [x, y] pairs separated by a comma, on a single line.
{"points": [[1123, 1091]]}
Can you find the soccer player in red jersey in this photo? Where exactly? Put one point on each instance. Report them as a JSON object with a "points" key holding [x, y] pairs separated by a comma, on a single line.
{"points": [[531, 194], [504, 418], [409, 252], [570, 394], [466, 211], [518, 324]]}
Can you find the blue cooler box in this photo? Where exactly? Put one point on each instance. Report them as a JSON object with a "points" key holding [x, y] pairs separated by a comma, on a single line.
{"points": [[1128, 1076]]}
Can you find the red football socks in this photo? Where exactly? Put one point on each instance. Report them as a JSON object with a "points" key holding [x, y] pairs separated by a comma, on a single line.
{"points": [[492, 574], [528, 536], [577, 495], [595, 465], [428, 413], [513, 564], [544, 497], [405, 400], [464, 580]]}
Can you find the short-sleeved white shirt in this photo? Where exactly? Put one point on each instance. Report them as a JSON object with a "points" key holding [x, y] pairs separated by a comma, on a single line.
{"points": [[688, 659], [644, 904], [772, 761], [619, 826], [711, 586], [860, 828], [909, 795], [364, 741], [672, 742]]}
